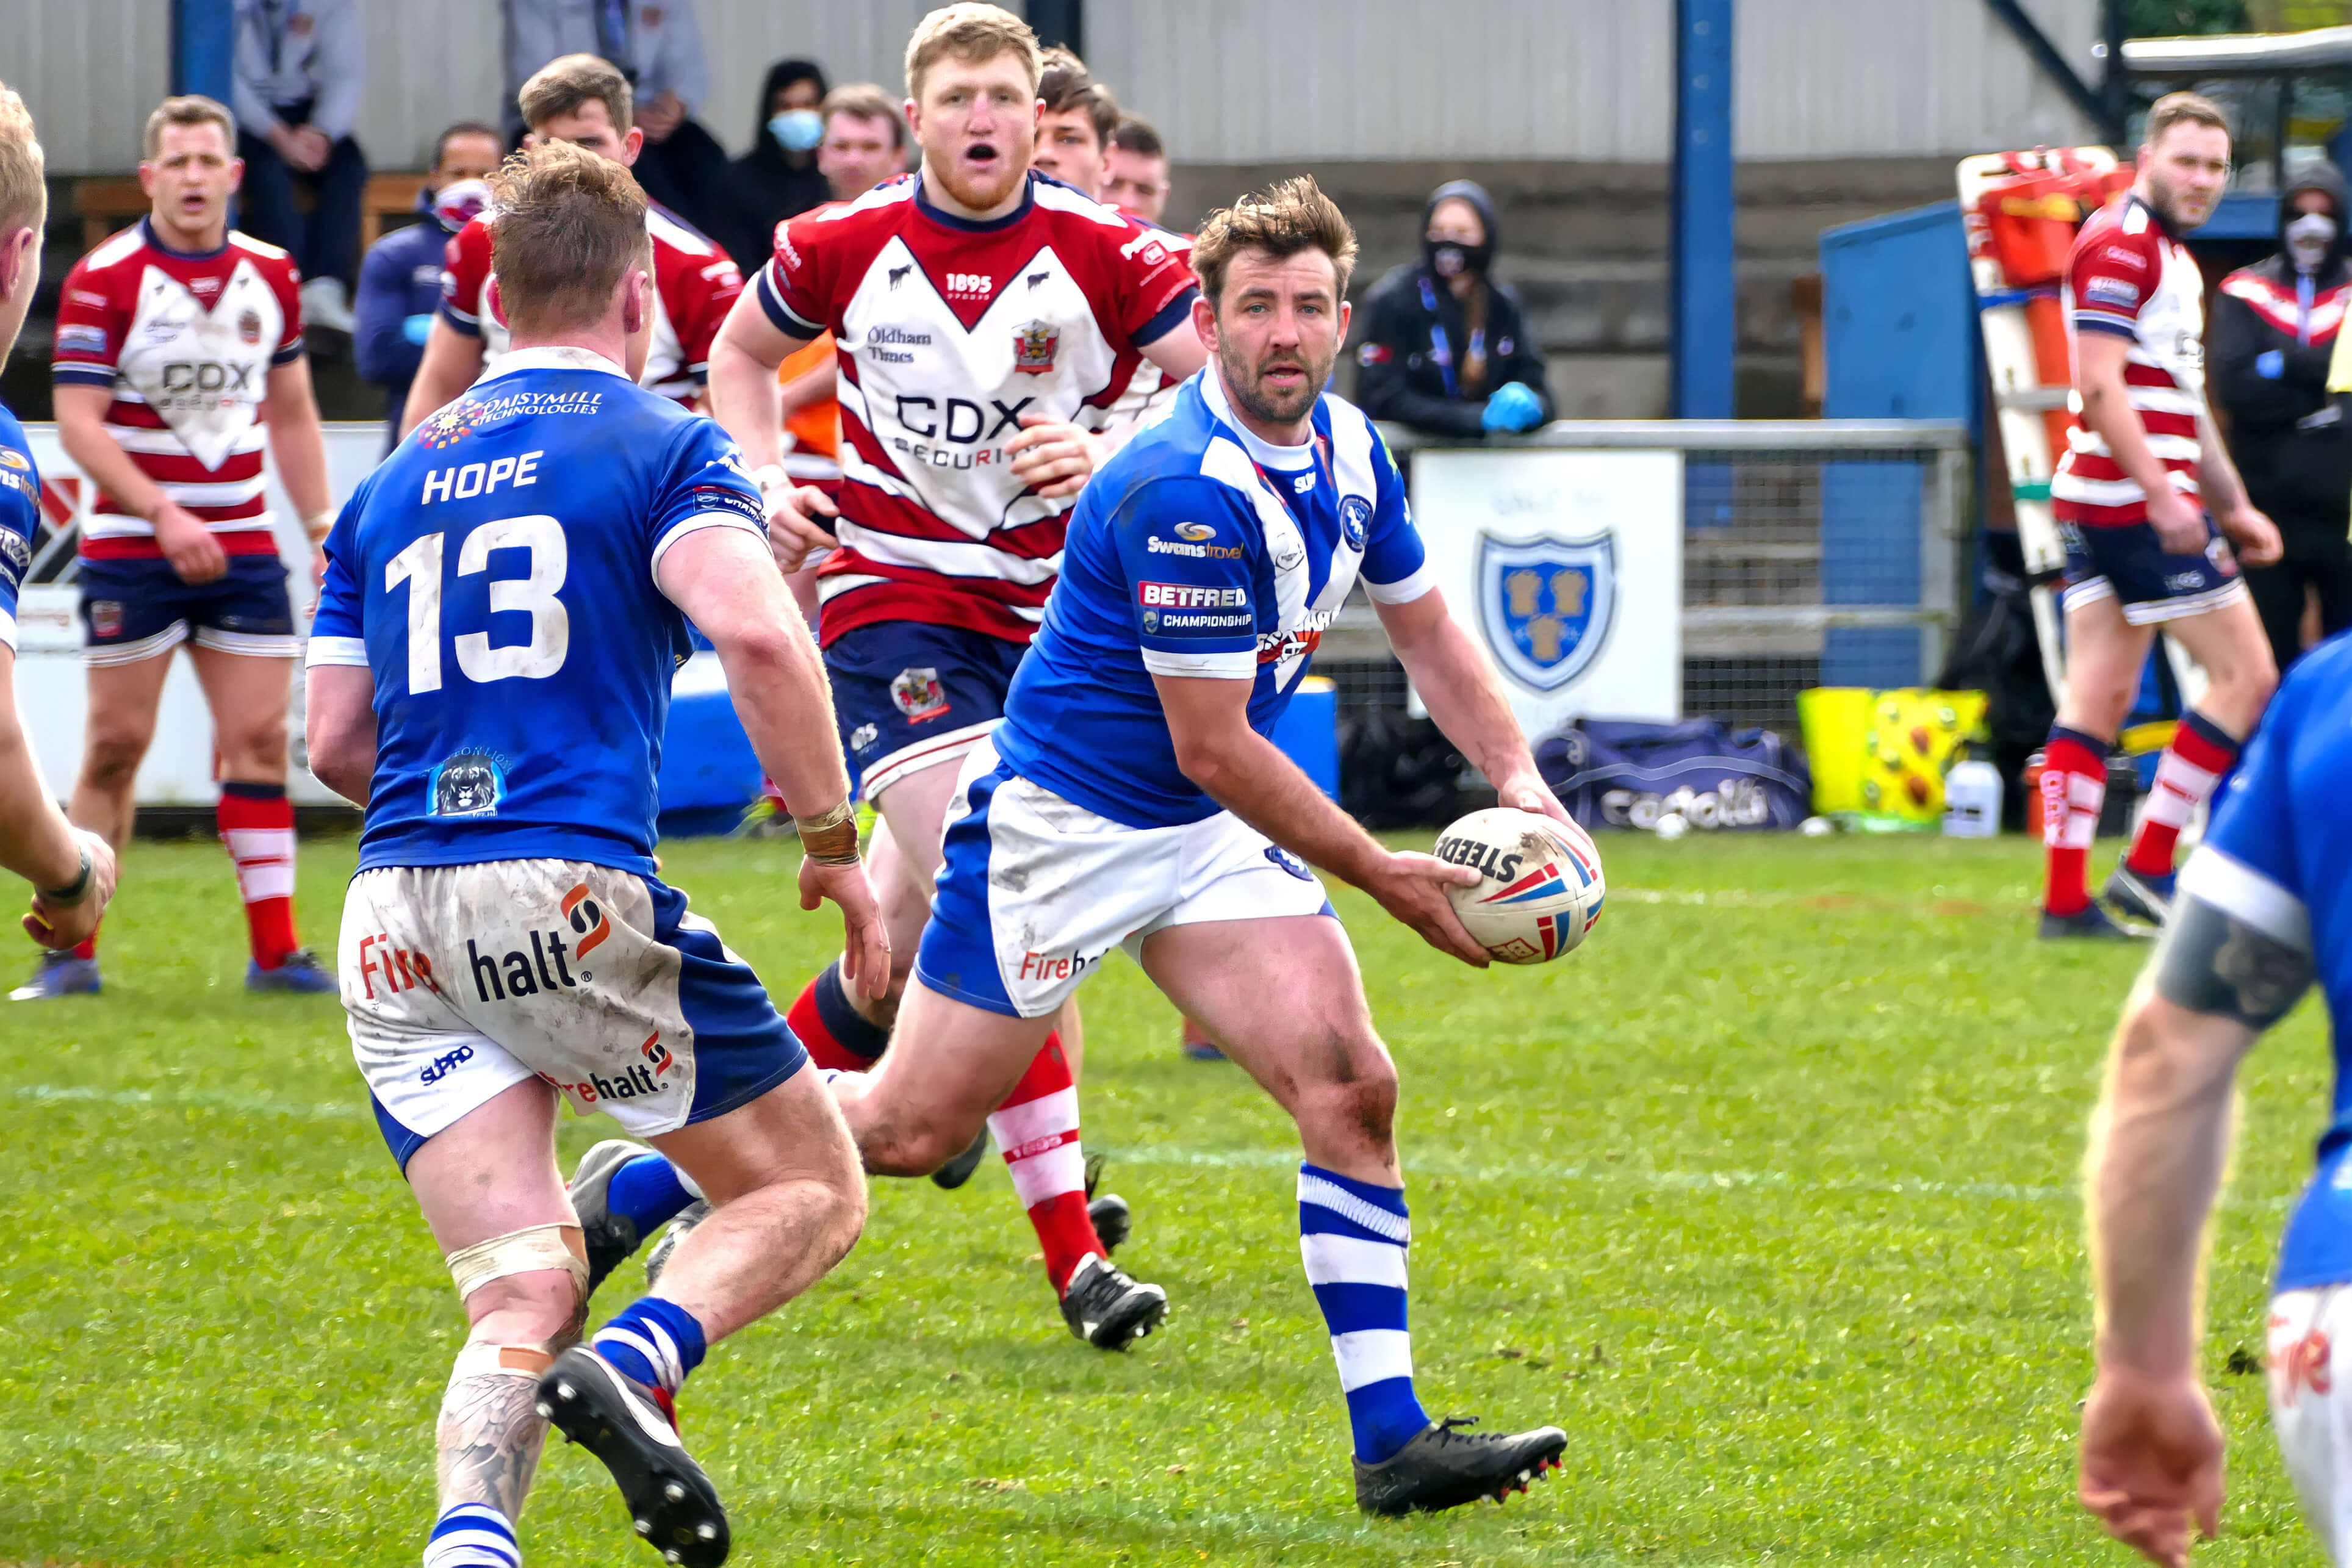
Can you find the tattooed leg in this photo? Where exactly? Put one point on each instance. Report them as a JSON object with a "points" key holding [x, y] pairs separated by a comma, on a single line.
{"points": [[491, 1431]]}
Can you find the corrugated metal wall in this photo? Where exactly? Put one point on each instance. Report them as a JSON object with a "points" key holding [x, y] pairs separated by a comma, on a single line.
{"points": [[1227, 81]]}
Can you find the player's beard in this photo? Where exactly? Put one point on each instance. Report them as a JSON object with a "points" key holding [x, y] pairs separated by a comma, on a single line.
{"points": [[2169, 199], [1002, 176], [1244, 381]]}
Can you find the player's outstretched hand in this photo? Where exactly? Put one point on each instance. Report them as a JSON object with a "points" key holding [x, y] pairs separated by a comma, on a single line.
{"points": [[194, 554], [865, 947], [1053, 457], [792, 532], [2178, 522], [2255, 535], [2151, 1462], [59, 929], [1412, 887]]}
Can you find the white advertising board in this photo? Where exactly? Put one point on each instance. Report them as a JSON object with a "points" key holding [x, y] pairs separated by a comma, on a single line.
{"points": [[1567, 566], [51, 691]]}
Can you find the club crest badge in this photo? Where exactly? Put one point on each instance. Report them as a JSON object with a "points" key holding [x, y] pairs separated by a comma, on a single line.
{"points": [[248, 326], [919, 694], [1546, 604], [1034, 347]]}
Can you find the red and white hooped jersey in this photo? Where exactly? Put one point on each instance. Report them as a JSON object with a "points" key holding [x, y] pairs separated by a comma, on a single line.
{"points": [[2129, 276], [950, 331], [695, 285], [185, 343]]}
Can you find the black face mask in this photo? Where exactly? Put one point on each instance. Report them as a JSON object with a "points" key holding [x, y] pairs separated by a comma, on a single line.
{"points": [[1449, 258]]}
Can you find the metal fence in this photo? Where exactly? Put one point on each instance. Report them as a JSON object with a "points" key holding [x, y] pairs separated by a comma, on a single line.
{"points": [[1816, 552]]}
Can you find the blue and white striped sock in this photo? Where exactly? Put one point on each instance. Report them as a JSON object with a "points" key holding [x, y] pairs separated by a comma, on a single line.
{"points": [[1352, 1236], [472, 1535], [653, 1341]]}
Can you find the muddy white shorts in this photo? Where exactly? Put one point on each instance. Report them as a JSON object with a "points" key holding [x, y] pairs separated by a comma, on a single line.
{"points": [[461, 981], [2311, 1408], [1035, 892]]}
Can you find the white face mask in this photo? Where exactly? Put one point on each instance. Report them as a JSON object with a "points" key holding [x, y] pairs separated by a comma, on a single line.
{"points": [[2308, 240]]}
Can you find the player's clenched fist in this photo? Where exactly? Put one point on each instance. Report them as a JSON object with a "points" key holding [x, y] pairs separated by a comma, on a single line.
{"points": [[1412, 887], [1053, 457], [793, 533]]}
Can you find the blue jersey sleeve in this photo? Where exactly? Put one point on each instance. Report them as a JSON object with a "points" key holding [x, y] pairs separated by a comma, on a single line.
{"points": [[1396, 568], [704, 485], [338, 635], [1186, 555], [20, 517], [2247, 865]]}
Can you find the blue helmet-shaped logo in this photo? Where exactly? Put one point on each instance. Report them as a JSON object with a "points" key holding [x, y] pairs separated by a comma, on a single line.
{"points": [[1546, 604]]}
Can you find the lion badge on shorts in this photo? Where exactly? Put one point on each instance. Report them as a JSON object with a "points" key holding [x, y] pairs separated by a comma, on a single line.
{"points": [[105, 618], [469, 784], [919, 694]]}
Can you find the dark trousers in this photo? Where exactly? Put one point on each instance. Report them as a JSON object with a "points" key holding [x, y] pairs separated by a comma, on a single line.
{"points": [[326, 239], [685, 174], [2318, 556]]}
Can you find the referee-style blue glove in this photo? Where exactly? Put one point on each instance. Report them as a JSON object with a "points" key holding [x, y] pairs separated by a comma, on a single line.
{"points": [[1513, 406], [415, 329]]}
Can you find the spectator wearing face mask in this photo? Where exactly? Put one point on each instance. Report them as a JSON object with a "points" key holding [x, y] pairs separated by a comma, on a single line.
{"points": [[400, 281], [779, 177], [2275, 325], [1445, 347]]}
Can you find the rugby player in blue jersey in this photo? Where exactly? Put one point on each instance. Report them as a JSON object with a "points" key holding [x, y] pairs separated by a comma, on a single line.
{"points": [[1131, 799], [506, 599], [71, 869], [2262, 909]]}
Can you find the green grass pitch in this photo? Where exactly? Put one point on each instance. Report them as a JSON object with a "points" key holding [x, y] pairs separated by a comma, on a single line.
{"points": [[1766, 1196]]}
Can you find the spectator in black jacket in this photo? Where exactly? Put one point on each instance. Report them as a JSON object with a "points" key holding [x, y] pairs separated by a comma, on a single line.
{"points": [[1445, 348], [778, 178], [2274, 328]]}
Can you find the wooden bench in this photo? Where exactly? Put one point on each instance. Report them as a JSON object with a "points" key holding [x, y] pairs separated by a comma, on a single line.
{"points": [[111, 202]]}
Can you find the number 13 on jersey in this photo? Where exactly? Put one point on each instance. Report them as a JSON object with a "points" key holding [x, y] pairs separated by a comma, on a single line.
{"points": [[534, 593]]}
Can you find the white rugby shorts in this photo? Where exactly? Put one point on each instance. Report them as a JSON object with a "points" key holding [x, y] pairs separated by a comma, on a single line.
{"points": [[1035, 892], [462, 980], [2311, 1407]]}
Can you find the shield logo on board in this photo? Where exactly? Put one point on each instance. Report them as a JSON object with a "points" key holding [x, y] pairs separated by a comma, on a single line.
{"points": [[1546, 605]]}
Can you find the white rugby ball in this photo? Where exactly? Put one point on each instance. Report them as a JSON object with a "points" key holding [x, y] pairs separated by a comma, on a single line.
{"points": [[1540, 885]]}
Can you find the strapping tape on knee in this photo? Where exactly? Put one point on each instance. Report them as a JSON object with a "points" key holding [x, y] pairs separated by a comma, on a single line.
{"points": [[521, 1252], [501, 1361]]}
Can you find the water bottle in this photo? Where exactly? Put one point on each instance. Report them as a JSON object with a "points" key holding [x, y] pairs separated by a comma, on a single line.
{"points": [[1972, 800]]}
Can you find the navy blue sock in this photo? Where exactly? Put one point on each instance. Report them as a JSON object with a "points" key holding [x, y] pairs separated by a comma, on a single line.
{"points": [[653, 1341], [1352, 1236], [850, 1028], [647, 1190]]}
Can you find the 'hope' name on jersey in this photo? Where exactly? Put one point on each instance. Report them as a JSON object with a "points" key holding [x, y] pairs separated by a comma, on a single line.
{"points": [[497, 575]]}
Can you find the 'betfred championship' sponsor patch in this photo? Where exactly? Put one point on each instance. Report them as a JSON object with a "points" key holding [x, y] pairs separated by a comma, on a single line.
{"points": [[1192, 609], [2111, 291]]}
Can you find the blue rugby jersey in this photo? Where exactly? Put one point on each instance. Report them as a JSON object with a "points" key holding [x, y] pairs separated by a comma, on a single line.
{"points": [[1200, 551], [495, 575], [2275, 858], [20, 518]]}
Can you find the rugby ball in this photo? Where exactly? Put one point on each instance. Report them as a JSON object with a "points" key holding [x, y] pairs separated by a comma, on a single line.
{"points": [[1539, 887]]}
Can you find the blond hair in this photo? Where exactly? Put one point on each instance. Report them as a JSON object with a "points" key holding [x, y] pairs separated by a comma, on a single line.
{"points": [[24, 196], [865, 100], [568, 224], [2183, 108], [971, 33], [564, 83], [1283, 220], [190, 109]]}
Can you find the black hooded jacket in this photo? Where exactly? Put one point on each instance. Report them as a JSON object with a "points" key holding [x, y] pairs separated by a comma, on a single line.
{"points": [[1414, 340], [765, 187], [2267, 371]]}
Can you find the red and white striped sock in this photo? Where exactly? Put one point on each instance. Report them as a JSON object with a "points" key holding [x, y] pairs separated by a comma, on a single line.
{"points": [[257, 823], [2074, 788], [2201, 754], [1037, 1128]]}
